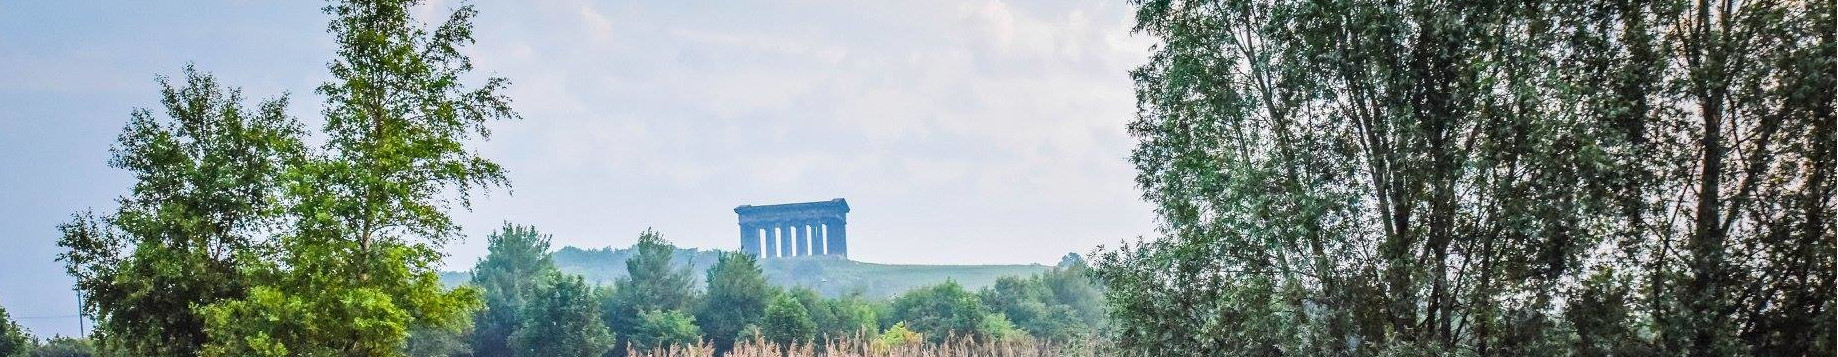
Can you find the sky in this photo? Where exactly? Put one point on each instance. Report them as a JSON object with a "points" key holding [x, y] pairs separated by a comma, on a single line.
{"points": [[960, 131]]}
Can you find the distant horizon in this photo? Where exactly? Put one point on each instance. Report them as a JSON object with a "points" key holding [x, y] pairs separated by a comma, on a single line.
{"points": [[986, 132]]}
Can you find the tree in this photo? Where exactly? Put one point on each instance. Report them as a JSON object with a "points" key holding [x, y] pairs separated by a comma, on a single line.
{"points": [[995, 328], [1435, 177], [665, 329], [61, 346], [514, 265], [939, 311], [356, 270], [786, 323], [850, 316], [652, 283], [438, 342], [1060, 304], [896, 336], [14, 341], [737, 297], [205, 189], [561, 320], [823, 319]]}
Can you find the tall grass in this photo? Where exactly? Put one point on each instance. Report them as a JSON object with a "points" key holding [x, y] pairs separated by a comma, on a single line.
{"points": [[868, 347]]}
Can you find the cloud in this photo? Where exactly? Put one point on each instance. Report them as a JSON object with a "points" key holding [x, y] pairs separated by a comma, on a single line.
{"points": [[1003, 119]]}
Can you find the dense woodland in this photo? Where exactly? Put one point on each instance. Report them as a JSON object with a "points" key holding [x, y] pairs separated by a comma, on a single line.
{"points": [[1434, 177], [1331, 177], [533, 309]]}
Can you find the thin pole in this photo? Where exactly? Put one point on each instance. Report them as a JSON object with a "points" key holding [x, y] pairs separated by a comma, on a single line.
{"points": [[82, 322]]}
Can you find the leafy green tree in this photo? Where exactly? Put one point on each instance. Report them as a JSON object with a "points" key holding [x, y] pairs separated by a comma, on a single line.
{"points": [[14, 341], [1017, 297], [356, 271], [205, 190], [939, 311], [815, 306], [514, 265], [665, 329], [836, 318], [1352, 177], [897, 336], [561, 320], [997, 327], [737, 297], [850, 316], [61, 346], [786, 323], [652, 283], [1060, 304], [439, 342]]}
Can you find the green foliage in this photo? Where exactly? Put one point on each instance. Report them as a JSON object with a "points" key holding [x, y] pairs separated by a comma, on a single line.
{"points": [[737, 297], [439, 342], [61, 346], [1060, 305], [848, 317], [14, 340], [561, 319], [652, 283], [897, 336], [787, 323], [996, 327], [1353, 177], [836, 318], [356, 270], [829, 276], [939, 311], [665, 329], [205, 189], [515, 262]]}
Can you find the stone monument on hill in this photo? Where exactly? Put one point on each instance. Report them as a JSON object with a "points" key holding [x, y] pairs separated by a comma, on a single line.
{"points": [[795, 229]]}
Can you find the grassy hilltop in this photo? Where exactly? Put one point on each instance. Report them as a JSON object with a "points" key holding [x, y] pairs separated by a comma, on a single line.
{"points": [[827, 275]]}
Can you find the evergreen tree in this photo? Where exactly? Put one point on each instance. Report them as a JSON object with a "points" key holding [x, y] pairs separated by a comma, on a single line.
{"points": [[515, 262], [652, 283], [561, 320], [737, 297]]}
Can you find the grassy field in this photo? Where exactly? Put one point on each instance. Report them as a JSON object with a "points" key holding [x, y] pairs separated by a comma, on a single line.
{"points": [[832, 276], [827, 275]]}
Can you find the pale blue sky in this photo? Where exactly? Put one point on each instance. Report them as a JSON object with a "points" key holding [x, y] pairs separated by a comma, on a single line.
{"points": [[961, 131]]}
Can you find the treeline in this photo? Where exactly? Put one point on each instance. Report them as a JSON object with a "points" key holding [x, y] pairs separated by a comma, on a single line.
{"points": [[16, 341], [533, 309], [1492, 178]]}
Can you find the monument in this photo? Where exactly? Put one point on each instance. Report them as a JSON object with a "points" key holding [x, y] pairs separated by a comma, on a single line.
{"points": [[795, 229]]}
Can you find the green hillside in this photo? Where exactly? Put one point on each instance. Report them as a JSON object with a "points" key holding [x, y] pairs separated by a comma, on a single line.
{"points": [[827, 275]]}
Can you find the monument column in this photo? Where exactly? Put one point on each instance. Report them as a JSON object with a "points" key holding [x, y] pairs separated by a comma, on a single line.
{"points": [[772, 242], [804, 240], [784, 241], [749, 239], [797, 239], [808, 232], [839, 237]]}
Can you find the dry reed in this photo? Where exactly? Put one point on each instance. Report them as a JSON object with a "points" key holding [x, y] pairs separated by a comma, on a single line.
{"points": [[862, 346]]}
